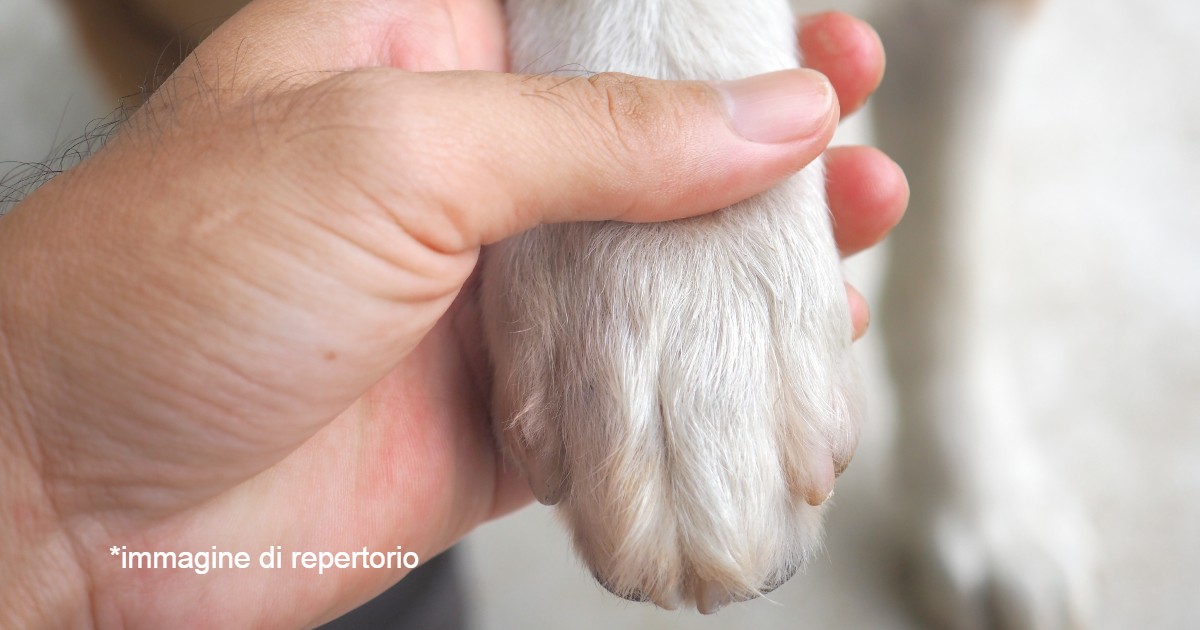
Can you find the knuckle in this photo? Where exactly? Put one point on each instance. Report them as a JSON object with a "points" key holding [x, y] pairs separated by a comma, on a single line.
{"points": [[629, 112]]}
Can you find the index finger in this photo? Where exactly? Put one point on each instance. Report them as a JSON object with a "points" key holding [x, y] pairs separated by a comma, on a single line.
{"points": [[848, 51]]}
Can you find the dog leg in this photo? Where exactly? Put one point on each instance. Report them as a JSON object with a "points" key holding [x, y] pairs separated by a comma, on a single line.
{"points": [[683, 391], [994, 538]]}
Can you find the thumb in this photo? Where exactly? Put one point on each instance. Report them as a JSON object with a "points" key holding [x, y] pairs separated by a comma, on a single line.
{"points": [[508, 152]]}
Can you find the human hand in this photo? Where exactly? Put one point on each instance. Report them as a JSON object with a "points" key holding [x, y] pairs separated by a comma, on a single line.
{"points": [[242, 324]]}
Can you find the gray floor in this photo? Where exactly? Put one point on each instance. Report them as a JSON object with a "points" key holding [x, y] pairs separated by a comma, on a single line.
{"points": [[1095, 173]]}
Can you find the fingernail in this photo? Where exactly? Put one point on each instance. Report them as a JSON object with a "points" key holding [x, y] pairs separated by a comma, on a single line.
{"points": [[780, 106]]}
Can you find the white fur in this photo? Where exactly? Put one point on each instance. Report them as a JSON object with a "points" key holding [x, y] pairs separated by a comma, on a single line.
{"points": [[681, 390]]}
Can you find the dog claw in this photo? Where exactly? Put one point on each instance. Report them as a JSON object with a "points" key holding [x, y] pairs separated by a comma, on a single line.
{"points": [[711, 597], [546, 481], [821, 476], [670, 602]]}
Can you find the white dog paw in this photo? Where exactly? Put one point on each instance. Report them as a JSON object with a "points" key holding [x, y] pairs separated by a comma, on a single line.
{"points": [[1004, 568], [684, 392]]}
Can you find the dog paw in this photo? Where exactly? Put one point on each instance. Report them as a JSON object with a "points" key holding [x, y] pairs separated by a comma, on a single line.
{"points": [[1009, 566], [684, 392]]}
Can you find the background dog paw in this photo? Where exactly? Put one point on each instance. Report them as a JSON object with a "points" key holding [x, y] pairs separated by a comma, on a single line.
{"points": [[1019, 565]]}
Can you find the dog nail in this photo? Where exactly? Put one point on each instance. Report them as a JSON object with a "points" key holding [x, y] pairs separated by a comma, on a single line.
{"points": [[822, 475], [711, 598]]}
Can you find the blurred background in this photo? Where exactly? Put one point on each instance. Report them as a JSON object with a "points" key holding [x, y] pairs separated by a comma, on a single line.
{"points": [[1084, 172]]}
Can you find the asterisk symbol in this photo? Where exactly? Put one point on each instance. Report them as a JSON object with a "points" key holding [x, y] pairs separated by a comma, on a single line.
{"points": [[114, 550]]}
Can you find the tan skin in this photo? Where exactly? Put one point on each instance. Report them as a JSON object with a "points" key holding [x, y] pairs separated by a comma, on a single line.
{"points": [[244, 322]]}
